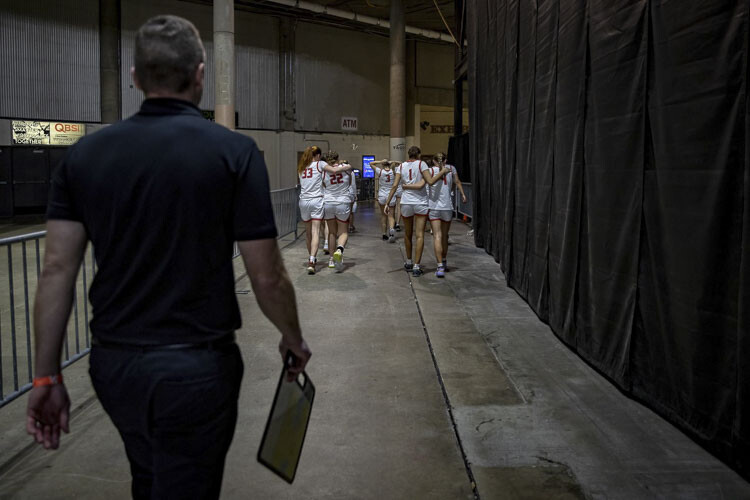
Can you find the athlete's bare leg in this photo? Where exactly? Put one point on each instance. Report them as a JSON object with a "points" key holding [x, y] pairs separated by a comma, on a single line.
{"points": [[312, 232], [308, 236], [445, 228], [331, 230], [398, 210], [408, 230], [419, 224], [437, 240], [390, 220], [342, 231], [381, 208]]}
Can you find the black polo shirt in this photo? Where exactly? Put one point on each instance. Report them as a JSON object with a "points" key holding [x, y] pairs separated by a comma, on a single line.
{"points": [[163, 195]]}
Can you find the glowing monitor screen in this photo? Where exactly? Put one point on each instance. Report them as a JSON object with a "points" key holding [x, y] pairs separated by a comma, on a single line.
{"points": [[367, 170]]}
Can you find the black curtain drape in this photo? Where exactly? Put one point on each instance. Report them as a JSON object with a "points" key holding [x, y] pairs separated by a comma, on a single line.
{"points": [[608, 148], [458, 156]]}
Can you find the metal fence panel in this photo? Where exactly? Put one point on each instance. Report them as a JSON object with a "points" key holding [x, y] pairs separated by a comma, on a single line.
{"points": [[286, 210], [20, 267], [464, 208]]}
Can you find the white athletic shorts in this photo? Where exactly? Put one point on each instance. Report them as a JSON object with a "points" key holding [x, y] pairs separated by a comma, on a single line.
{"points": [[311, 209], [338, 211], [408, 210], [443, 215], [383, 199]]}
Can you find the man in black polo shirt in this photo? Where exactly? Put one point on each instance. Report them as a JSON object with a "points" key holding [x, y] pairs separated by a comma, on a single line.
{"points": [[162, 196]]}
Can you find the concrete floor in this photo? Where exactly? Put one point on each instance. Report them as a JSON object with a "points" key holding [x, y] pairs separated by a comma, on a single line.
{"points": [[526, 418]]}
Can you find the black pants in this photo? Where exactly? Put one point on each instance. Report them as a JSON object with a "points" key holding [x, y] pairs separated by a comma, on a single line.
{"points": [[176, 411]]}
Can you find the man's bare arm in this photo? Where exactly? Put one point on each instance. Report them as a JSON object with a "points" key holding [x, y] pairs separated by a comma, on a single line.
{"points": [[275, 295], [48, 407]]}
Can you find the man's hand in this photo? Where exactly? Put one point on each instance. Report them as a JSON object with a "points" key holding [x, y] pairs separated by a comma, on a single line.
{"points": [[301, 356], [48, 412], [463, 198]]}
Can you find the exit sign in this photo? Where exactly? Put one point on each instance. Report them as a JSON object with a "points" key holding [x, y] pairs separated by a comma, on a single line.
{"points": [[349, 123]]}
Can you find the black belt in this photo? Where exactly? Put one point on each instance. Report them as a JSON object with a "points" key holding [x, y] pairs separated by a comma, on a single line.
{"points": [[224, 341]]}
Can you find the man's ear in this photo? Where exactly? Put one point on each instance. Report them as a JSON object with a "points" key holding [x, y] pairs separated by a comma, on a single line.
{"points": [[135, 78], [200, 74]]}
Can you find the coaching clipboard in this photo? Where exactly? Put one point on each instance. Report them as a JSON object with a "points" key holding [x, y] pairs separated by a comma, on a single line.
{"points": [[281, 446]]}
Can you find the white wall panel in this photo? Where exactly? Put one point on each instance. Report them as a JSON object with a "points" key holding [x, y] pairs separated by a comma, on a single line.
{"points": [[341, 73], [256, 59], [49, 59]]}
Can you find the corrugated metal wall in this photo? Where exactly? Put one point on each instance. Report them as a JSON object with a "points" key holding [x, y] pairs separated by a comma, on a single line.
{"points": [[256, 59], [341, 73], [49, 59]]}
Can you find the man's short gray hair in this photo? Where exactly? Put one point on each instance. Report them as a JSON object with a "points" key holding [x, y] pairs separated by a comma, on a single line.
{"points": [[168, 50]]}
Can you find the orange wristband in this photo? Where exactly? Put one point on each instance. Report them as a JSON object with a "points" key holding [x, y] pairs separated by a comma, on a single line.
{"points": [[48, 380]]}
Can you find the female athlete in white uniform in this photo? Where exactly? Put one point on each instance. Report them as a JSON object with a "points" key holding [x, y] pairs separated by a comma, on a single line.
{"points": [[337, 210], [440, 178], [386, 176], [310, 173], [414, 206]]}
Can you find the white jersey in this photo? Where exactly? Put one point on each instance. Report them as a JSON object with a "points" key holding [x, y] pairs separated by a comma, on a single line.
{"points": [[385, 181], [311, 181], [336, 187], [440, 192], [411, 173]]}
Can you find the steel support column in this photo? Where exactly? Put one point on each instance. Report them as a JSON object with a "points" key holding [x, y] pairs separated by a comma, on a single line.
{"points": [[224, 62], [109, 61], [398, 81]]}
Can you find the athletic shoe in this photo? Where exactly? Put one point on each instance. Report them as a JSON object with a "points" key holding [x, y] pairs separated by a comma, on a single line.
{"points": [[385, 238], [417, 272], [310, 267], [325, 247], [338, 260], [331, 265], [408, 267], [397, 227], [440, 273], [445, 266], [352, 229], [391, 238]]}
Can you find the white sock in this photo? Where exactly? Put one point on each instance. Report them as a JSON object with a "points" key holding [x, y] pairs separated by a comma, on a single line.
{"points": [[408, 261]]}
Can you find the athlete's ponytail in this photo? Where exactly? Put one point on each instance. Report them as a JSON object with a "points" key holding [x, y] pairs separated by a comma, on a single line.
{"points": [[307, 158]]}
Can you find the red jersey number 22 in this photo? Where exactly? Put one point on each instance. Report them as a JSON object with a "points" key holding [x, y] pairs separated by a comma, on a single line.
{"points": [[337, 178]]}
